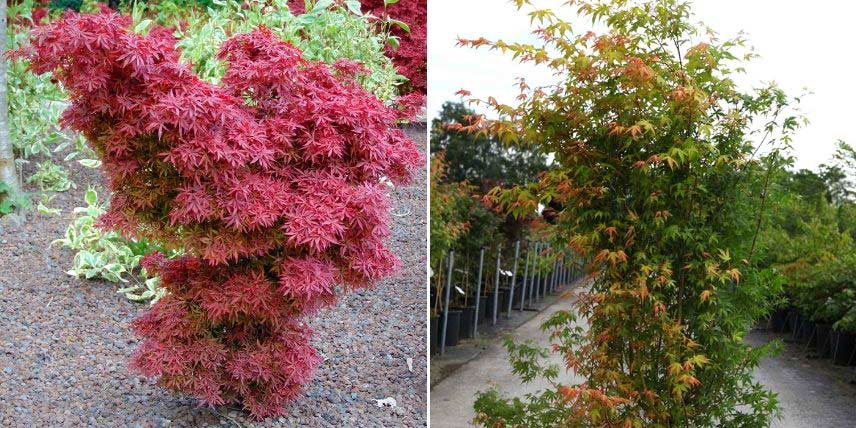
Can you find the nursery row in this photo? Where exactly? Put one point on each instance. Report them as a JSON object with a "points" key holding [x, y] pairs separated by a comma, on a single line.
{"points": [[465, 296], [818, 339]]}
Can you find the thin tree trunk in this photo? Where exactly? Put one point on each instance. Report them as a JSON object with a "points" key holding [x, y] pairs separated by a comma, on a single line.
{"points": [[8, 173]]}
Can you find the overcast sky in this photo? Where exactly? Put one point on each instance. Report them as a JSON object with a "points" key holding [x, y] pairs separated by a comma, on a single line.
{"points": [[802, 45]]}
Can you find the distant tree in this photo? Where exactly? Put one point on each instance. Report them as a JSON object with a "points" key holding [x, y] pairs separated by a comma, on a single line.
{"points": [[840, 176], [809, 185], [482, 161]]}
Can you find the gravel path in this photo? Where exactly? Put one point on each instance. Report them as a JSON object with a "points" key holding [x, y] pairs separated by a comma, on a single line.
{"points": [[812, 393], [64, 342]]}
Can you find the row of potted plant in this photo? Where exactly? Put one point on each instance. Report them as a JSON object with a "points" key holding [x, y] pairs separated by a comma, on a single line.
{"points": [[483, 288], [821, 314], [818, 336]]}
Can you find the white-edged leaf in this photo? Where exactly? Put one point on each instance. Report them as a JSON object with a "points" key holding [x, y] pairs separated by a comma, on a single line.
{"points": [[354, 7], [90, 163], [143, 26], [42, 209], [321, 5]]}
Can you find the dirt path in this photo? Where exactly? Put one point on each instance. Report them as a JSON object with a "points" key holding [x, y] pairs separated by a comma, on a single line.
{"points": [[64, 342], [811, 392]]}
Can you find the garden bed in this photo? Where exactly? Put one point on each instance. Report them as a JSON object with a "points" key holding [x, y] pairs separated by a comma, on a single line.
{"points": [[66, 341]]}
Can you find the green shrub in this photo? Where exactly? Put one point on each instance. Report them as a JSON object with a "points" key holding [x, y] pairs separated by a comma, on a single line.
{"points": [[449, 217], [810, 241], [35, 103]]}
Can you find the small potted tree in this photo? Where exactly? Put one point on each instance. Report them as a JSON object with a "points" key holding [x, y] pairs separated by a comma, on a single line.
{"points": [[464, 302]]}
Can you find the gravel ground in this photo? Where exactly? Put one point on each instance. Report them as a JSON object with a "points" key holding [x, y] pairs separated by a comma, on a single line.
{"points": [[64, 342], [812, 392]]}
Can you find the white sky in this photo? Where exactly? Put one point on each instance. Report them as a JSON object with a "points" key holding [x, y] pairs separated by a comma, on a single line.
{"points": [[802, 45]]}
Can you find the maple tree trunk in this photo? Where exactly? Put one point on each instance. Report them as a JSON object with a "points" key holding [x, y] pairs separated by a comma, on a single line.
{"points": [[8, 173]]}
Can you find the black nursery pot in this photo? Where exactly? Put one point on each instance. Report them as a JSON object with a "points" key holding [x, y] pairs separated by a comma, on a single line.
{"points": [[487, 310], [805, 330], [500, 299], [434, 330], [778, 320], [454, 329], [482, 308], [503, 294], [468, 314], [823, 340], [518, 295], [503, 299], [842, 348], [792, 320]]}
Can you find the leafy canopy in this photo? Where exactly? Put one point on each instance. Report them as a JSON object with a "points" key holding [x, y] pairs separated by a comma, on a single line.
{"points": [[480, 160], [325, 34]]}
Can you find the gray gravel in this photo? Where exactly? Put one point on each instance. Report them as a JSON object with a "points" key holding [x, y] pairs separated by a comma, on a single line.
{"points": [[812, 392], [64, 342]]}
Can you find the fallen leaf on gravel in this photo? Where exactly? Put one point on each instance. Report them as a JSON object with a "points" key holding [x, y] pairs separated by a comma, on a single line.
{"points": [[386, 402]]}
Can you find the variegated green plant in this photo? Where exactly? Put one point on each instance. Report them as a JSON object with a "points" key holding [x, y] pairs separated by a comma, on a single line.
{"points": [[51, 177], [149, 290], [35, 104], [107, 255]]}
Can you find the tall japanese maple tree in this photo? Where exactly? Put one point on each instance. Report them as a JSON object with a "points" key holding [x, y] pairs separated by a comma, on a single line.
{"points": [[661, 163], [272, 183]]}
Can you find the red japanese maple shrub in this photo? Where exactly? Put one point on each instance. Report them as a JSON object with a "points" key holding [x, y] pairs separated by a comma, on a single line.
{"points": [[272, 183]]}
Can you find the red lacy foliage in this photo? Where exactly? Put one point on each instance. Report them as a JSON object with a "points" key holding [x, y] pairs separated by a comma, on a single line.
{"points": [[411, 57], [271, 182]]}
